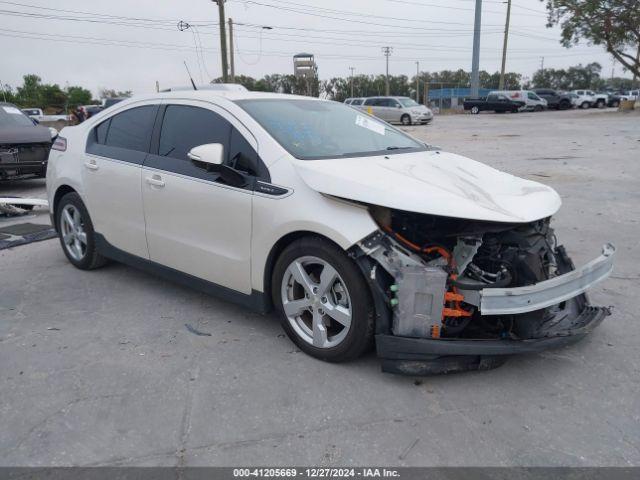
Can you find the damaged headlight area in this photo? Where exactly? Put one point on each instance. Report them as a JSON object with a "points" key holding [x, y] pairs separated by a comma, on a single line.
{"points": [[455, 294]]}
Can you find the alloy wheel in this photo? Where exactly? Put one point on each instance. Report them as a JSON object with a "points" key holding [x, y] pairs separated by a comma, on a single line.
{"points": [[72, 230], [316, 302]]}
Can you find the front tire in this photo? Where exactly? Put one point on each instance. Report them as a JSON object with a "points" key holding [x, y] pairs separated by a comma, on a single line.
{"points": [[325, 304], [601, 104], [405, 120], [475, 110], [585, 105], [76, 233]]}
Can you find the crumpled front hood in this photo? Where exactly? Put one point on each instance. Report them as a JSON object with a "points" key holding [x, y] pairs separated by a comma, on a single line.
{"points": [[432, 182], [26, 134]]}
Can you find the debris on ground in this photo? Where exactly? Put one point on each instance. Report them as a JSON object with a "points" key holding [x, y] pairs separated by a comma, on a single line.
{"points": [[196, 331]]}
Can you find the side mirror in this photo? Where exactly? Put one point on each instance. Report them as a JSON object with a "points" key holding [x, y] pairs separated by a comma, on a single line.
{"points": [[211, 157], [211, 154]]}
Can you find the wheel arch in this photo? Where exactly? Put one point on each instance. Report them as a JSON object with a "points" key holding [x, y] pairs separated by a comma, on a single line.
{"points": [[61, 191], [275, 252]]}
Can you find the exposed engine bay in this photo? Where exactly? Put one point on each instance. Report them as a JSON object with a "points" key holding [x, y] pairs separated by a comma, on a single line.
{"points": [[436, 271]]}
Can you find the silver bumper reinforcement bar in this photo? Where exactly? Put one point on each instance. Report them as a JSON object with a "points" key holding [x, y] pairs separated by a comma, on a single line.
{"points": [[506, 301]]}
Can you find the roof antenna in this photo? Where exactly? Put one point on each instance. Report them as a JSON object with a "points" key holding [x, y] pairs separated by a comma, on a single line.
{"points": [[190, 77]]}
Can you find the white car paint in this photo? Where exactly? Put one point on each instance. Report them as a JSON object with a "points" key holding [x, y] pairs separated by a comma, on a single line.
{"points": [[214, 232], [435, 183], [584, 97], [38, 114], [531, 99]]}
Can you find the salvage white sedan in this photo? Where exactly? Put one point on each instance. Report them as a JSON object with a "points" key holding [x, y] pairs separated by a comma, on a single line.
{"points": [[354, 231]]}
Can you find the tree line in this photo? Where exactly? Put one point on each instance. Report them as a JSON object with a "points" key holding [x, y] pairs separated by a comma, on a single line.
{"points": [[51, 97]]}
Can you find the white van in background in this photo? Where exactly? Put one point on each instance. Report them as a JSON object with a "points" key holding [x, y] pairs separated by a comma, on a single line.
{"points": [[532, 101]]}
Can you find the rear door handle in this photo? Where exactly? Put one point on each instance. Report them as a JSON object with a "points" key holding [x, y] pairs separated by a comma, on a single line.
{"points": [[155, 180], [91, 165]]}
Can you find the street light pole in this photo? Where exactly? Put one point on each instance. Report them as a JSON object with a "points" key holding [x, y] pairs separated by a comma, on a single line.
{"points": [[352, 69], [387, 53], [504, 47], [223, 40], [418, 82], [475, 62]]}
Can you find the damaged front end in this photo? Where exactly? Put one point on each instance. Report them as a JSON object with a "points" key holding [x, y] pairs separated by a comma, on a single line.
{"points": [[454, 295]]}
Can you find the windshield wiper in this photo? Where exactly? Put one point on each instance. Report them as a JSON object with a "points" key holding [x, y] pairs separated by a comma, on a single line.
{"points": [[397, 148]]}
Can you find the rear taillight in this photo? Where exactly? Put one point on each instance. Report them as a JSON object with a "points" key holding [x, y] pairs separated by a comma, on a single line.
{"points": [[60, 144]]}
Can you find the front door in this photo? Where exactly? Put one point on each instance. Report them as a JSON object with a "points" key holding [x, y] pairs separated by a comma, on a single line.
{"points": [[195, 223], [116, 149]]}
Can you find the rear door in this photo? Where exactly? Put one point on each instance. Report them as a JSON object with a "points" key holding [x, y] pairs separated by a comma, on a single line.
{"points": [[395, 110], [115, 151], [195, 223]]}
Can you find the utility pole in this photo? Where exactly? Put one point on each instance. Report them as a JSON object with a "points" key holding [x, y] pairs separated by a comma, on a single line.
{"points": [[504, 47], [418, 82], [387, 53], [475, 61], [352, 69], [231, 55], [542, 64], [223, 40]]}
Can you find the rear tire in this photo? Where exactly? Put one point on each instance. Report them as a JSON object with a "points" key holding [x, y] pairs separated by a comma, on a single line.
{"points": [[564, 105], [324, 302], [537, 108], [475, 110], [601, 104], [76, 233]]}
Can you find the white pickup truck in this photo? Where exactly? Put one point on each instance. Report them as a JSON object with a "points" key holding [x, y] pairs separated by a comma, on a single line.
{"points": [[588, 98], [38, 114]]}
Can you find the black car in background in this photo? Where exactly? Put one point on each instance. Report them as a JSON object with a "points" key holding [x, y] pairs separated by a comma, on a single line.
{"points": [[555, 99], [496, 102], [24, 145]]}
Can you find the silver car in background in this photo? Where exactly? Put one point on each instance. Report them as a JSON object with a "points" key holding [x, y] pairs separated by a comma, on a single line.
{"points": [[354, 101], [402, 110]]}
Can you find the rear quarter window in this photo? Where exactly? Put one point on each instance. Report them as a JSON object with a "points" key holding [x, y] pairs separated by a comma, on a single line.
{"points": [[131, 129]]}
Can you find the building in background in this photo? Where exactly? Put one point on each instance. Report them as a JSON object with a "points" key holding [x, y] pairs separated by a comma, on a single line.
{"points": [[305, 67]]}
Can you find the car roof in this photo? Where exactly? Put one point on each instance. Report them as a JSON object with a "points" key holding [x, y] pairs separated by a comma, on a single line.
{"points": [[214, 94]]}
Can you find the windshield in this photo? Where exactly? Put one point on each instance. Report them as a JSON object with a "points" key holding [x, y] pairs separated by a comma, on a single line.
{"points": [[312, 129], [408, 102], [11, 116]]}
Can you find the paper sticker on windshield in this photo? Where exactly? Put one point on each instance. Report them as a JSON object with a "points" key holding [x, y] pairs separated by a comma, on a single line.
{"points": [[369, 124], [12, 110]]}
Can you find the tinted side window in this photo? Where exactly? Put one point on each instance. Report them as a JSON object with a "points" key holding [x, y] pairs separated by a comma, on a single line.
{"points": [[185, 127], [356, 102], [370, 101], [131, 129], [101, 132], [492, 98]]}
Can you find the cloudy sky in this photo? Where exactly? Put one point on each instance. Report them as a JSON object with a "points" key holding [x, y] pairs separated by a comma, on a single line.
{"points": [[128, 45]]}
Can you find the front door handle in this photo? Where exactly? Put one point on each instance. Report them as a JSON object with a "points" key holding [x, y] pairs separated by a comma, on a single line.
{"points": [[155, 180], [91, 165]]}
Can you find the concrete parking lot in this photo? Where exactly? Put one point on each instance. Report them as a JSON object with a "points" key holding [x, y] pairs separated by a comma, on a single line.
{"points": [[98, 367]]}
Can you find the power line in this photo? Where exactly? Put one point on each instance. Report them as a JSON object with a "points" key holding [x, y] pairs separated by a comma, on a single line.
{"points": [[351, 20], [449, 7], [182, 48]]}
